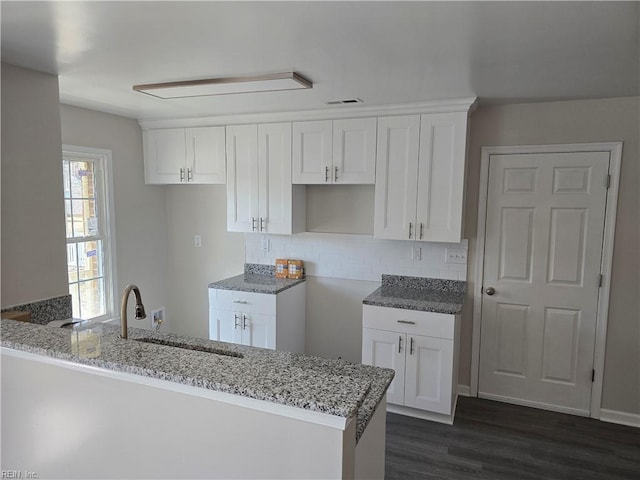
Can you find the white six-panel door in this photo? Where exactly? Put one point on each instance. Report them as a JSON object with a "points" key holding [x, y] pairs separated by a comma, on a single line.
{"points": [[544, 233]]}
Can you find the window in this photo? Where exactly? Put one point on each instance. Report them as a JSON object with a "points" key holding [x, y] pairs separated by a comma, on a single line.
{"points": [[87, 205]]}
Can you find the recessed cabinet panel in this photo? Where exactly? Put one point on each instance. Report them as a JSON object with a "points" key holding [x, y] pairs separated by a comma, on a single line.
{"points": [[165, 155], [242, 178], [386, 349], [354, 151], [396, 177], [275, 192], [206, 155], [441, 177], [312, 151]]}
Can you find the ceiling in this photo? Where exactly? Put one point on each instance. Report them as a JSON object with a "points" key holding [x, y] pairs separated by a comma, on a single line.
{"points": [[381, 52]]}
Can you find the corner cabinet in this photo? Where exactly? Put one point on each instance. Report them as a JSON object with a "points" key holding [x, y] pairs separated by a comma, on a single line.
{"points": [[274, 321], [334, 151], [422, 348], [185, 155], [260, 195], [420, 175]]}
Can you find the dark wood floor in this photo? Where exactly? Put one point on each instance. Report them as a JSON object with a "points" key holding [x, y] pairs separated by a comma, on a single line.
{"points": [[493, 440]]}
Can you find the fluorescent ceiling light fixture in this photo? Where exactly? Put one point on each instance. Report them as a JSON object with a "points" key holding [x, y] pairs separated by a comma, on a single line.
{"points": [[225, 86]]}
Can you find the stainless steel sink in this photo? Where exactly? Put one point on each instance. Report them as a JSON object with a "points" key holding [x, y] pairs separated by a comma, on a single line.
{"points": [[186, 346]]}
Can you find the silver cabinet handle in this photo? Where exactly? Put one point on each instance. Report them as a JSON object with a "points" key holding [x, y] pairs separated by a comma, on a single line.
{"points": [[408, 322], [253, 224], [244, 322], [240, 301], [237, 321], [399, 343], [411, 347], [421, 230], [490, 291], [262, 221], [182, 174], [410, 229], [335, 174], [326, 174], [189, 175]]}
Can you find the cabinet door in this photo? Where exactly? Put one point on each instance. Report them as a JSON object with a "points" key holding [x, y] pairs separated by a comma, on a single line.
{"points": [[396, 177], [275, 192], [165, 155], [441, 176], [259, 330], [429, 373], [386, 349], [312, 152], [205, 149], [354, 150], [242, 178], [229, 326]]}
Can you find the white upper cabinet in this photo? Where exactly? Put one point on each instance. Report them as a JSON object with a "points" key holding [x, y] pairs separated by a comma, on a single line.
{"points": [[242, 178], [185, 155], [396, 177], [334, 151], [354, 150], [312, 151], [260, 197], [420, 177]]}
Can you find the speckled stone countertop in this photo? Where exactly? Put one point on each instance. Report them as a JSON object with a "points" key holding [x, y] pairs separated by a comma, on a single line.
{"points": [[334, 387], [417, 293], [257, 279]]}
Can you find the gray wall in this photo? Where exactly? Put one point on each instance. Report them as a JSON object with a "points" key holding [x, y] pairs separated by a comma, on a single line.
{"points": [[140, 210], [34, 263], [606, 120]]}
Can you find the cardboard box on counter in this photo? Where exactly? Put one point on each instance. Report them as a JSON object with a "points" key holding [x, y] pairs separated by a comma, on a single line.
{"points": [[17, 315]]}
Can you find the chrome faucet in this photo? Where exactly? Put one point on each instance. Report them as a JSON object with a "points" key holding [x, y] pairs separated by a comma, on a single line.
{"points": [[140, 313]]}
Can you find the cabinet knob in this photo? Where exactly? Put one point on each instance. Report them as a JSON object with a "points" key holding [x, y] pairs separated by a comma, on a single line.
{"points": [[490, 291]]}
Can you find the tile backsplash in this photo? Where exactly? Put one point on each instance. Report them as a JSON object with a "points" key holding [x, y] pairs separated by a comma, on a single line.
{"points": [[356, 257]]}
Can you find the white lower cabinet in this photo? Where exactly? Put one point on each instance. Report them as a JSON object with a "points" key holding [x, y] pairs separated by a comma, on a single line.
{"points": [[259, 319], [422, 348]]}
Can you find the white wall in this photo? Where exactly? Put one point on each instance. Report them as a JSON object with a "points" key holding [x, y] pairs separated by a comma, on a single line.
{"points": [[34, 264], [198, 210], [140, 210], [606, 120]]}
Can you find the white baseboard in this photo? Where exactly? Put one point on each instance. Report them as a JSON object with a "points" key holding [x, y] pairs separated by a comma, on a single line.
{"points": [[621, 418], [464, 390]]}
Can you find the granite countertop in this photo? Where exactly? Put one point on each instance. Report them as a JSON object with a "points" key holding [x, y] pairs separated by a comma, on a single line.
{"points": [[334, 387], [417, 293], [257, 279]]}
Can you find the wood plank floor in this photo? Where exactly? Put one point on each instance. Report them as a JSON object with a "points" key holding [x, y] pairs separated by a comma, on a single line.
{"points": [[494, 440]]}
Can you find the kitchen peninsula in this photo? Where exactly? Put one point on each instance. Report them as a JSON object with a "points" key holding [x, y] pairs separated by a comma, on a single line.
{"points": [[162, 406]]}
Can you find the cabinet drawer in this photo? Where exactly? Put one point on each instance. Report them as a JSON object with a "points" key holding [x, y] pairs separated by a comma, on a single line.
{"points": [[415, 322], [233, 300]]}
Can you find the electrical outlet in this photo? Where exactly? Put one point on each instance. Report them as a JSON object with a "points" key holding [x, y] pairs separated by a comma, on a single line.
{"points": [[197, 241], [455, 255], [266, 244], [416, 253], [157, 318]]}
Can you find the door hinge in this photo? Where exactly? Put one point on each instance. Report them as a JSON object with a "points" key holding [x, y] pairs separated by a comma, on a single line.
{"points": [[600, 281], [593, 375], [608, 182]]}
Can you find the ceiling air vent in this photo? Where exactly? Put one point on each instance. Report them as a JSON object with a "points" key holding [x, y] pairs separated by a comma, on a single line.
{"points": [[345, 102]]}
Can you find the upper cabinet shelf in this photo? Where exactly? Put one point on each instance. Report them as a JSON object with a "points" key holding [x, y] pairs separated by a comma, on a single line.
{"points": [[335, 151], [184, 155]]}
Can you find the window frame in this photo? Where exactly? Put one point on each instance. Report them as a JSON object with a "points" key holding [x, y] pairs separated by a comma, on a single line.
{"points": [[103, 159]]}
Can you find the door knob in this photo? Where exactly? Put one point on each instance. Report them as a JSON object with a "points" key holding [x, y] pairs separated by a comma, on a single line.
{"points": [[490, 291]]}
